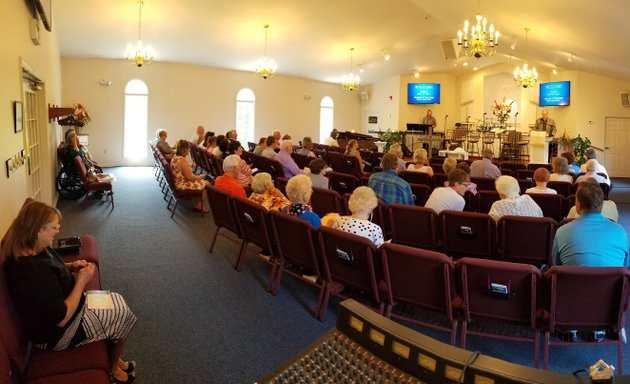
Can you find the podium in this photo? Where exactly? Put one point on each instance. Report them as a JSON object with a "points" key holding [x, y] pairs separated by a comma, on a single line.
{"points": [[539, 147]]}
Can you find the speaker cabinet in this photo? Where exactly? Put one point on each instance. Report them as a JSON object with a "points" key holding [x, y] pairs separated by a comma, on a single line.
{"points": [[625, 98], [450, 49], [364, 97]]}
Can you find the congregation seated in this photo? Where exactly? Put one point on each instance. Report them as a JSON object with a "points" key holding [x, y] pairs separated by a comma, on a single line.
{"points": [[352, 149], [396, 149], [591, 239], [289, 166], [210, 143], [361, 203], [223, 147], [183, 176], [217, 151], [592, 155], [199, 136], [573, 168], [512, 203], [485, 167], [262, 144], [560, 166], [245, 175], [48, 293], [541, 178], [450, 197], [591, 171], [388, 185], [331, 140], [421, 164], [270, 148], [609, 208], [160, 142], [299, 190], [317, 169], [228, 182], [307, 145], [265, 194], [231, 135]]}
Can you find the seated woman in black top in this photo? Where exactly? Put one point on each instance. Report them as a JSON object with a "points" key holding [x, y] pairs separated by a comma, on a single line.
{"points": [[48, 294]]}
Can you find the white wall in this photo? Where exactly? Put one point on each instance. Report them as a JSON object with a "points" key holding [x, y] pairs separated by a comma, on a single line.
{"points": [[184, 96], [44, 60]]}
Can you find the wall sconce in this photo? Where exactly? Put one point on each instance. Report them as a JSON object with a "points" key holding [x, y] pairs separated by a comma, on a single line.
{"points": [[105, 83]]}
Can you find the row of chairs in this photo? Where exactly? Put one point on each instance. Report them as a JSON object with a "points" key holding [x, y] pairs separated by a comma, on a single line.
{"points": [[395, 277]]}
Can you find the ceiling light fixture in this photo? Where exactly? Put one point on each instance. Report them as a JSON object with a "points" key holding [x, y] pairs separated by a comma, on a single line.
{"points": [[140, 55], [266, 67], [350, 82], [416, 74], [480, 40], [386, 55], [525, 77]]}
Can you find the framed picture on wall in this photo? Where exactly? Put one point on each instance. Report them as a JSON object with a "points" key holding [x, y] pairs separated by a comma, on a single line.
{"points": [[17, 116]]}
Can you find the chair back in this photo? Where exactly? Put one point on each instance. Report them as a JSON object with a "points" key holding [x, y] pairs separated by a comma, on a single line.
{"points": [[281, 184], [351, 166], [413, 226], [439, 178], [349, 260], [420, 193], [221, 207], [11, 332], [483, 183], [343, 183], [515, 166], [535, 166], [484, 200], [253, 222], [528, 240], [525, 184], [81, 169], [553, 206], [468, 234], [334, 160], [324, 201], [301, 160], [525, 174], [418, 178], [295, 240]]}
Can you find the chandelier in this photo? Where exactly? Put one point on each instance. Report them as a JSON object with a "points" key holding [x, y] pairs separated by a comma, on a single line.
{"points": [[481, 39], [266, 66], [140, 54], [350, 82], [525, 77]]}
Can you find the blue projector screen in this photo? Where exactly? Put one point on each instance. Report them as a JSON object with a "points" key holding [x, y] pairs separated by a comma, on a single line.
{"points": [[556, 93], [423, 93]]}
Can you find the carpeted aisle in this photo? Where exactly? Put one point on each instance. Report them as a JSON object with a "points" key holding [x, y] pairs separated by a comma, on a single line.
{"points": [[200, 321]]}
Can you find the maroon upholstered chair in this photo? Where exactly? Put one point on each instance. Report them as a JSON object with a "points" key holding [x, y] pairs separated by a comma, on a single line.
{"points": [[515, 166], [420, 278], [535, 166], [221, 208], [565, 221], [296, 254], [439, 178], [468, 234], [525, 174], [483, 183], [418, 178], [324, 201], [585, 299], [343, 182], [349, 268], [553, 206], [413, 226], [420, 193], [524, 239], [351, 166], [216, 165], [484, 200], [525, 184], [254, 227], [335, 161], [562, 187], [178, 194], [281, 184], [497, 290], [92, 186]]}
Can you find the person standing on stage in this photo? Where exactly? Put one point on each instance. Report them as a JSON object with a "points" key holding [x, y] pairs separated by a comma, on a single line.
{"points": [[429, 119], [546, 124]]}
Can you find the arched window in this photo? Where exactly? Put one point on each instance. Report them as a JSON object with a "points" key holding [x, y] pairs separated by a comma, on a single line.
{"points": [[136, 112], [245, 107], [326, 108]]}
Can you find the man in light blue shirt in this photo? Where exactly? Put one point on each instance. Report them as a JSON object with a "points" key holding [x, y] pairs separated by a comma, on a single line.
{"points": [[590, 240]]}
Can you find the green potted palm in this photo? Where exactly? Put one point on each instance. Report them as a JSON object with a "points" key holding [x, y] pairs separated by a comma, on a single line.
{"points": [[580, 145], [390, 137]]}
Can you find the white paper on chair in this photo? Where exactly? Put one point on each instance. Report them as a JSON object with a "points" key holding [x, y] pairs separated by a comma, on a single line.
{"points": [[98, 299], [104, 177]]}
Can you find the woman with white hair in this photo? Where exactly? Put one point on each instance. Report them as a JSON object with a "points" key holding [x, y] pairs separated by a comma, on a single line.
{"points": [[299, 191], [265, 194], [228, 182], [511, 203], [591, 171], [421, 159], [362, 202]]}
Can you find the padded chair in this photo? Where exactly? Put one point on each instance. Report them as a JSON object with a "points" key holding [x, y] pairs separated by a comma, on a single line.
{"points": [[535, 166], [573, 301], [351, 166], [335, 161], [484, 200], [281, 184], [222, 211], [254, 227], [302, 161], [483, 183], [468, 234], [439, 178], [343, 183], [324, 201], [350, 268], [178, 194], [553, 206], [92, 186], [499, 291], [525, 184], [418, 178], [515, 166], [421, 194], [562, 187], [296, 253], [470, 200], [527, 240], [420, 278], [525, 174], [506, 172], [413, 226]]}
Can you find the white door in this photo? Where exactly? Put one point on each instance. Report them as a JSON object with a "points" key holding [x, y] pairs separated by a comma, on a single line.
{"points": [[617, 148], [33, 140]]}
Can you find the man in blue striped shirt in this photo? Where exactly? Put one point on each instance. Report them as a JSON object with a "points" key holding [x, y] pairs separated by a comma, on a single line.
{"points": [[388, 186]]}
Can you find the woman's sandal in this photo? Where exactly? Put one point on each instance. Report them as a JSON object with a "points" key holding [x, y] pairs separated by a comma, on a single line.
{"points": [[131, 366], [130, 379]]}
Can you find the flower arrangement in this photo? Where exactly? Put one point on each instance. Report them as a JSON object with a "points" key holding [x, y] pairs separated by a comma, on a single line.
{"points": [[502, 110], [81, 114]]}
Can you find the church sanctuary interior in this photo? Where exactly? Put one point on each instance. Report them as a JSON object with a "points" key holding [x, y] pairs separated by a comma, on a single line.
{"points": [[117, 71]]}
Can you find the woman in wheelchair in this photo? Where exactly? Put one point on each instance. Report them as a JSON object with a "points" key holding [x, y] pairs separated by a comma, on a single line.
{"points": [[74, 148]]}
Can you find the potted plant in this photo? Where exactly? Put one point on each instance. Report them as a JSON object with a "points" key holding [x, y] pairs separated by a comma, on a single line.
{"points": [[580, 145], [565, 143], [390, 138]]}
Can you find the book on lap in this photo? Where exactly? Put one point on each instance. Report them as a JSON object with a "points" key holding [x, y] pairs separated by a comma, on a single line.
{"points": [[99, 299]]}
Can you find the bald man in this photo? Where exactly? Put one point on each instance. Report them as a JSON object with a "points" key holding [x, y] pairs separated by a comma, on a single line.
{"points": [[546, 124]]}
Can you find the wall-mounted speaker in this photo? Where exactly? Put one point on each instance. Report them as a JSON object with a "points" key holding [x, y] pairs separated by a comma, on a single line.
{"points": [[450, 49], [625, 98], [365, 98]]}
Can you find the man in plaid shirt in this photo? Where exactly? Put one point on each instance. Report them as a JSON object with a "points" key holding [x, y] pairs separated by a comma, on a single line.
{"points": [[388, 186]]}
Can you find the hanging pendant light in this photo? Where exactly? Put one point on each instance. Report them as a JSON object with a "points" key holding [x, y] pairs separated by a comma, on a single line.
{"points": [[350, 82], [525, 77], [140, 55], [266, 67], [481, 39]]}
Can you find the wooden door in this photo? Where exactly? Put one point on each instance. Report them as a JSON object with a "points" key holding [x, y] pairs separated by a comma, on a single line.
{"points": [[617, 147]]}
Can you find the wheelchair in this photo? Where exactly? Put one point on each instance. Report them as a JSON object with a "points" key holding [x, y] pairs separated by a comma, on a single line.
{"points": [[69, 183]]}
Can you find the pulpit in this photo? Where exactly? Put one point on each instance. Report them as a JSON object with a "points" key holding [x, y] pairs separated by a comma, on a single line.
{"points": [[539, 147]]}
